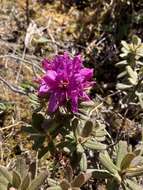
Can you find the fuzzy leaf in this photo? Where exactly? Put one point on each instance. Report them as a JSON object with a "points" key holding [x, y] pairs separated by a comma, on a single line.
{"points": [[121, 152], [83, 162], [38, 181], [101, 139], [133, 75], [3, 187], [82, 115], [124, 62], [26, 182], [94, 145], [122, 74], [54, 188], [16, 181], [122, 86], [107, 163], [41, 40], [87, 104], [76, 128], [3, 181], [134, 172], [133, 185], [4, 172], [21, 166], [100, 133], [140, 97], [52, 182], [79, 149]]}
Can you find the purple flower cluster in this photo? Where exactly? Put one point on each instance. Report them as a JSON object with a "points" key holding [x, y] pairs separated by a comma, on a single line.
{"points": [[65, 80]]}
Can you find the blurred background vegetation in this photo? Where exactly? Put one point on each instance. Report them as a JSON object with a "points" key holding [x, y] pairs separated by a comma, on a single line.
{"points": [[93, 28]]}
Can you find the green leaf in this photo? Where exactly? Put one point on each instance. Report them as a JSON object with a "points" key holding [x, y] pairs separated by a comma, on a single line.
{"points": [[76, 128], [107, 163], [122, 86], [4, 172], [83, 162], [94, 145], [3, 181], [3, 187], [87, 104], [121, 75], [38, 181], [133, 75], [41, 40], [2, 107], [82, 115], [124, 62], [99, 131], [79, 149], [52, 182], [133, 185], [140, 97], [121, 152], [100, 139], [16, 181], [134, 172], [26, 182], [66, 150]]}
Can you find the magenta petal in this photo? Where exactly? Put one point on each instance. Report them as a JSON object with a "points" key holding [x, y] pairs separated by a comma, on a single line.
{"points": [[50, 78], [87, 73], [43, 90], [53, 103]]}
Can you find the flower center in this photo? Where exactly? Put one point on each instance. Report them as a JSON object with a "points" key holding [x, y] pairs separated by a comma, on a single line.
{"points": [[63, 83]]}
